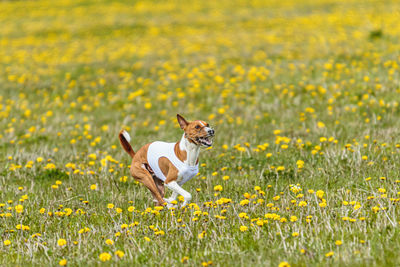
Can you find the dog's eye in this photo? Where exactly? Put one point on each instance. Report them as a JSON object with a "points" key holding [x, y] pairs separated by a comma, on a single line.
{"points": [[197, 127], [208, 125]]}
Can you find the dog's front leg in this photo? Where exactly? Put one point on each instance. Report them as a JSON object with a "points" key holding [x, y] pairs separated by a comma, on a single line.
{"points": [[176, 189]]}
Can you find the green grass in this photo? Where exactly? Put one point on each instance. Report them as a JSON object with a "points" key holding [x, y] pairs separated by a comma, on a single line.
{"points": [[324, 73]]}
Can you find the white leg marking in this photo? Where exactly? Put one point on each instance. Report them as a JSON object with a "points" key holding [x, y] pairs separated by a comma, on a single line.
{"points": [[179, 190]]}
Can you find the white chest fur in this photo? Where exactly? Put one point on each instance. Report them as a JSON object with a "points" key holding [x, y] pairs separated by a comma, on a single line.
{"points": [[192, 151]]}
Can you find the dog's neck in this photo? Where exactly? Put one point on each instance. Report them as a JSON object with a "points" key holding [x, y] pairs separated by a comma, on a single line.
{"points": [[192, 151]]}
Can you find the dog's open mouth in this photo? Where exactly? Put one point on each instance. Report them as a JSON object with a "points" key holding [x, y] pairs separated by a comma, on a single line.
{"points": [[205, 141]]}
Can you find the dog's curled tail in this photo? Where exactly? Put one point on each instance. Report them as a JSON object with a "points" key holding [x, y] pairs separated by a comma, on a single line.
{"points": [[124, 139]]}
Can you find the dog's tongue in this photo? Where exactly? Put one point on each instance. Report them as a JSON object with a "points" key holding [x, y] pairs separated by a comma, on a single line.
{"points": [[208, 141]]}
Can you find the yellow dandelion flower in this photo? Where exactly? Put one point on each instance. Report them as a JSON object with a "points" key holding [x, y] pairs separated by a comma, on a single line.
{"points": [[61, 242], [284, 264], [19, 208], [105, 256], [329, 254], [243, 228], [184, 259], [302, 204], [218, 188], [119, 253]]}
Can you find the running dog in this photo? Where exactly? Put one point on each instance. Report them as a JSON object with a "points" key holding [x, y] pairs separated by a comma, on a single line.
{"points": [[159, 164]]}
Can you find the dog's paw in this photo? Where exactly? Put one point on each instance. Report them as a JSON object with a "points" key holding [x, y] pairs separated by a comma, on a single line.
{"points": [[168, 200], [169, 205]]}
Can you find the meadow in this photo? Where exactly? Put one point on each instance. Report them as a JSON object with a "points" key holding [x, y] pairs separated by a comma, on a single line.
{"points": [[303, 95]]}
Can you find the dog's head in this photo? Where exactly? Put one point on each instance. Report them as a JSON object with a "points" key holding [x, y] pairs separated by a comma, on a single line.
{"points": [[198, 132]]}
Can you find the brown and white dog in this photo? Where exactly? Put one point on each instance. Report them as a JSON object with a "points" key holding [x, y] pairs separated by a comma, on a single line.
{"points": [[160, 164]]}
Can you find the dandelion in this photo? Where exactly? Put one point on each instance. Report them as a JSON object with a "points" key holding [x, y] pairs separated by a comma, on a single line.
{"points": [[61, 242], [244, 202], [276, 198], [218, 188], [119, 253], [302, 204], [201, 235], [322, 204], [109, 242], [62, 262], [284, 264], [243, 228], [7, 242], [93, 187], [280, 168], [243, 215], [105, 256], [320, 194], [50, 166], [19, 208], [300, 164], [329, 254], [338, 242]]}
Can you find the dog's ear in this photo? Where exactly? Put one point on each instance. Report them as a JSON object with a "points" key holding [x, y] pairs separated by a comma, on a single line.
{"points": [[181, 120]]}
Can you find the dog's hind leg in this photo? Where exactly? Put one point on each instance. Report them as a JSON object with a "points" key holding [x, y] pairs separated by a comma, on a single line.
{"points": [[160, 186], [143, 176]]}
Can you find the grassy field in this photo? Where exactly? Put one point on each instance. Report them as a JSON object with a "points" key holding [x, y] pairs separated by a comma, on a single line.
{"points": [[304, 97]]}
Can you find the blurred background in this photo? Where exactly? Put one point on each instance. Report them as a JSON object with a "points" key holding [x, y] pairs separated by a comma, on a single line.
{"points": [[92, 67]]}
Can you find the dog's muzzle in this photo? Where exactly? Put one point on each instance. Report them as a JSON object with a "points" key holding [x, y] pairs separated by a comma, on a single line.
{"points": [[206, 141]]}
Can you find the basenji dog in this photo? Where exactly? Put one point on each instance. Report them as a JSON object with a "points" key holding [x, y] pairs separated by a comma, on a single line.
{"points": [[159, 164]]}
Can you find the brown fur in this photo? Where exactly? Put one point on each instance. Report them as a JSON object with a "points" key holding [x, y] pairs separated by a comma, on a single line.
{"points": [[125, 144]]}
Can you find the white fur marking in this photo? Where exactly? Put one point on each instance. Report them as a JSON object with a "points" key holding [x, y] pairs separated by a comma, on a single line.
{"points": [[172, 197], [202, 124], [192, 151], [179, 190], [126, 136]]}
